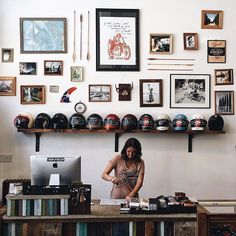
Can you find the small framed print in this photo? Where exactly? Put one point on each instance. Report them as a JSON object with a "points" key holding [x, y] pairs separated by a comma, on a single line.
{"points": [[28, 68], [99, 93], [216, 51], [212, 19], [224, 76], [224, 102], [76, 73], [54, 89], [32, 94], [7, 54], [151, 93], [7, 86], [53, 67], [190, 41], [161, 43]]}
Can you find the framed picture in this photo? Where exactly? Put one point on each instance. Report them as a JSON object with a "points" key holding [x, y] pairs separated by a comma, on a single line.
{"points": [[7, 54], [76, 73], [117, 40], [53, 67], [54, 89], [190, 91], [32, 94], [7, 86], [216, 51], [190, 41], [212, 19], [224, 102], [151, 93], [43, 35], [99, 93], [161, 43], [28, 68], [224, 76]]}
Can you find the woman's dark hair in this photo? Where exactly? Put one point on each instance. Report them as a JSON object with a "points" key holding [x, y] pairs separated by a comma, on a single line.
{"points": [[132, 142]]}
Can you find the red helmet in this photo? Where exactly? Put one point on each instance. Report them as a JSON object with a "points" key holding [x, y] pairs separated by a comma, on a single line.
{"points": [[129, 122], [111, 121], [146, 122], [24, 120]]}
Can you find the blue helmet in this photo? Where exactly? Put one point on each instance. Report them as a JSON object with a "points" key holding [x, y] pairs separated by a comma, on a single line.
{"points": [[180, 122]]}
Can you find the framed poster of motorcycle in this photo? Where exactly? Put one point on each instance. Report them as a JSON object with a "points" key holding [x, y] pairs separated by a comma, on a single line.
{"points": [[117, 40], [190, 91]]}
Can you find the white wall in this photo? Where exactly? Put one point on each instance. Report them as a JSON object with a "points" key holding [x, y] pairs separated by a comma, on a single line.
{"points": [[207, 172]]}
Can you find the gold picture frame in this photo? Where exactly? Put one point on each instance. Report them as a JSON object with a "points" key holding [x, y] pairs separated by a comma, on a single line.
{"points": [[212, 19], [7, 86], [32, 94]]}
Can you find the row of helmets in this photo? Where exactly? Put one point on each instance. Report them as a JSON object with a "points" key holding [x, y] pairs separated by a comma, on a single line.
{"points": [[112, 121]]}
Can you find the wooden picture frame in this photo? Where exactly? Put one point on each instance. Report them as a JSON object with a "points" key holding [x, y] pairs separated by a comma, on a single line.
{"points": [[224, 77], [53, 67], [151, 93], [7, 55], [190, 41], [216, 51], [32, 94], [99, 93], [76, 73], [28, 68], [161, 43], [211, 19], [7, 86], [43, 35], [224, 102]]}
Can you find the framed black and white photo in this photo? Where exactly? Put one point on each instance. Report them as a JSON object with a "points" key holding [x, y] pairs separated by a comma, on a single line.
{"points": [[7, 54], [7, 86], [99, 93], [76, 73], [190, 91], [151, 93], [224, 77], [117, 39], [216, 51], [224, 102], [53, 67], [28, 68], [212, 19], [190, 41], [161, 43]]}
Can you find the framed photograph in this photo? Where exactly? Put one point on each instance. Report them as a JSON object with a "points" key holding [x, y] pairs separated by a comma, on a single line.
{"points": [[76, 73], [7, 86], [28, 68], [224, 76], [53, 67], [151, 93], [7, 54], [117, 40], [190, 41], [190, 91], [99, 93], [216, 51], [32, 94], [43, 35], [224, 102], [54, 89], [212, 19], [161, 43]]}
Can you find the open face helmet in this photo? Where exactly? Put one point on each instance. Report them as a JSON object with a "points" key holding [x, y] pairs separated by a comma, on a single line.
{"points": [[111, 121], [146, 122], [180, 122], [198, 123], [129, 122], [24, 120], [43, 121], [59, 121], [216, 123], [162, 122], [77, 121], [94, 121]]}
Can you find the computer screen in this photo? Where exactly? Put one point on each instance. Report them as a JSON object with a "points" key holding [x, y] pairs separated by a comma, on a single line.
{"points": [[68, 168]]}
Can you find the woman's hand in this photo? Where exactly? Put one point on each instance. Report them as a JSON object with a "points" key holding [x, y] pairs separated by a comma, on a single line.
{"points": [[115, 180], [127, 199]]}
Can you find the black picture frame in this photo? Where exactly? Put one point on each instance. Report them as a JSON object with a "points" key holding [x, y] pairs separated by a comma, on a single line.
{"points": [[216, 51], [117, 40], [224, 102]]}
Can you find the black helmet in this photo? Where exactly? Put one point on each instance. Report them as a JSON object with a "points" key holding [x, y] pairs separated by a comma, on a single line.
{"points": [[216, 123], [77, 121], [24, 120], [129, 122], [59, 121], [43, 121], [146, 122], [94, 121], [111, 121]]}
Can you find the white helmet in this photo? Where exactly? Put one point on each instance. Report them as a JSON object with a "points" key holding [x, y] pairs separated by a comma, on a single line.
{"points": [[198, 122], [162, 122]]}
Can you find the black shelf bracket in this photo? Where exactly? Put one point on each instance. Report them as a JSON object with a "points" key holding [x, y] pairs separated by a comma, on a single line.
{"points": [[37, 141], [190, 142], [117, 136]]}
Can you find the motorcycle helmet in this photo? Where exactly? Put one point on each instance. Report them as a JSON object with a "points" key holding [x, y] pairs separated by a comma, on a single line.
{"points": [[216, 123], [94, 121], [24, 120], [198, 122], [180, 122], [146, 122], [111, 121], [43, 121], [59, 121], [162, 122], [129, 122], [77, 121]]}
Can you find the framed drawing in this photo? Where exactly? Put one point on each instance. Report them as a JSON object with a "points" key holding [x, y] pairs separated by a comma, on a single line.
{"points": [[43, 35], [54, 89], [161, 43], [224, 76], [212, 19], [151, 93], [117, 40], [99, 93], [28, 68], [190, 41], [53, 67], [7, 86], [190, 91], [224, 102], [32, 94], [76, 73], [216, 51], [7, 54]]}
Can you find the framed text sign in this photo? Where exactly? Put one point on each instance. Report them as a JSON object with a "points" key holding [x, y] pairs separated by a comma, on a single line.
{"points": [[216, 51]]}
